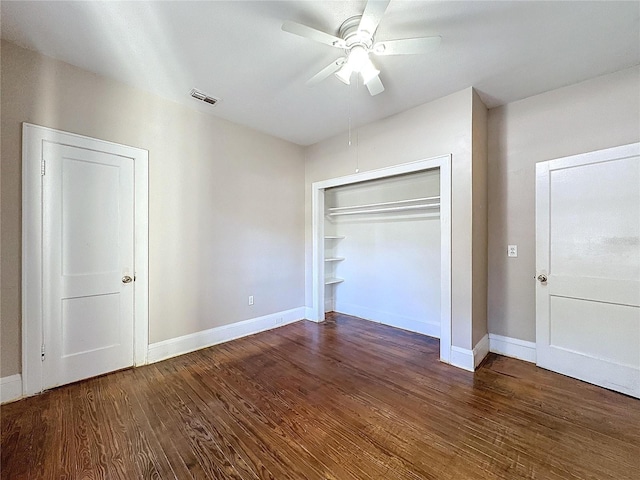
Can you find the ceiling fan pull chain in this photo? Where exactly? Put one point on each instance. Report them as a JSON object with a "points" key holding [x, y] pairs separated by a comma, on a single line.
{"points": [[357, 151], [357, 131], [349, 115]]}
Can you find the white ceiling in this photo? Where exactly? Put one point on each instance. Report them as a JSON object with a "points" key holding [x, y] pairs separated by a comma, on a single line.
{"points": [[235, 50]]}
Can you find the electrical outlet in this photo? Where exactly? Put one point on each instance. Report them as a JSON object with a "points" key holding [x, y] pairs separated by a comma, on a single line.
{"points": [[512, 251], [250, 299], [279, 321]]}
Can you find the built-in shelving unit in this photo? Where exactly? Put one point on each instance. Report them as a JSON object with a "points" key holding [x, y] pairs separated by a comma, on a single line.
{"points": [[331, 261], [423, 203]]}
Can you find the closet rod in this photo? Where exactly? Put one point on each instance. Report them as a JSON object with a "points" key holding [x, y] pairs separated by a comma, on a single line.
{"points": [[388, 209], [397, 202]]}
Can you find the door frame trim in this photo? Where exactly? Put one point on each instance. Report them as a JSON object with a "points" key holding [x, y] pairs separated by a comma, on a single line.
{"points": [[443, 162], [33, 138]]}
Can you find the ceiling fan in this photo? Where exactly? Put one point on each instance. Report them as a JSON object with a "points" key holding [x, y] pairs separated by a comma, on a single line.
{"points": [[356, 37]]}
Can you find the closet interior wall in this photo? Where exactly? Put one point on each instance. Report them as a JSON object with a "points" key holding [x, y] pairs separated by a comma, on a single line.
{"points": [[382, 251]]}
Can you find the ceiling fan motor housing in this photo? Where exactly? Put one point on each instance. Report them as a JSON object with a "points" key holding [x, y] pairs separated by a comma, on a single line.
{"points": [[352, 36]]}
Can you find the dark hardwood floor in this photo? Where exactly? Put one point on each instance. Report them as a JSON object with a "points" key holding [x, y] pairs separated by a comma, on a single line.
{"points": [[347, 399]]}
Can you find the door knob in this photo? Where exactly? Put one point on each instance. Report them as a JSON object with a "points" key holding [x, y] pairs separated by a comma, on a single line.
{"points": [[542, 278], [127, 279]]}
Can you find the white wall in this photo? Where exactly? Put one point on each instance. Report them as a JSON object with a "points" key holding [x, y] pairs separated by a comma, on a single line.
{"points": [[392, 259], [440, 127], [599, 113], [226, 206]]}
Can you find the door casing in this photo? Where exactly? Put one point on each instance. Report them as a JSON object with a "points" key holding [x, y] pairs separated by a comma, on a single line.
{"points": [[34, 243]]}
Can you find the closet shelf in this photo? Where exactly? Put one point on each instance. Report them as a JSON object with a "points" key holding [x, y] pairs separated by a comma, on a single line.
{"points": [[387, 209], [332, 237], [396, 206], [384, 204], [332, 280], [334, 259]]}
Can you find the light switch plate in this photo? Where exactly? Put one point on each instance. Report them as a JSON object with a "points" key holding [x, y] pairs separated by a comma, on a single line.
{"points": [[512, 251]]}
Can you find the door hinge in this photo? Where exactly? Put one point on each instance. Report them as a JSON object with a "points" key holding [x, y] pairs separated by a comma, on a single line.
{"points": [[42, 167], [42, 353]]}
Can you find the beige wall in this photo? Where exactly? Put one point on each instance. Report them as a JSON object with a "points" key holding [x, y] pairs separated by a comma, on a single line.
{"points": [[440, 127], [226, 202], [479, 186], [599, 113]]}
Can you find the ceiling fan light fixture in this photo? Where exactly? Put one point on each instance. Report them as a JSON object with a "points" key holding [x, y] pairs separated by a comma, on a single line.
{"points": [[358, 58], [344, 74], [357, 61], [369, 72]]}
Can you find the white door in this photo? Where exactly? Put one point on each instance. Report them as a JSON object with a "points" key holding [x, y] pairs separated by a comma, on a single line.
{"points": [[588, 267], [88, 259]]}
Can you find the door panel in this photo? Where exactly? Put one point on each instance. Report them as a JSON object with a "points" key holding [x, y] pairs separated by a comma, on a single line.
{"points": [[581, 327], [80, 336], [90, 219], [588, 247], [88, 233], [594, 220]]}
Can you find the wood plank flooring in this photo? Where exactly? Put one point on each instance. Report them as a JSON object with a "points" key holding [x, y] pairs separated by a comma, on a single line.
{"points": [[347, 399]]}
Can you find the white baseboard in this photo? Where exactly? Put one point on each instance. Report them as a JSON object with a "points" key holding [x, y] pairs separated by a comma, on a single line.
{"points": [[462, 358], [309, 315], [481, 350], [206, 338], [512, 347], [10, 388], [470, 359], [391, 319]]}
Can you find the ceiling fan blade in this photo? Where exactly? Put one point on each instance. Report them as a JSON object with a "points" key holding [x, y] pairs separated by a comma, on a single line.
{"points": [[407, 46], [372, 15], [325, 72], [375, 86], [313, 34]]}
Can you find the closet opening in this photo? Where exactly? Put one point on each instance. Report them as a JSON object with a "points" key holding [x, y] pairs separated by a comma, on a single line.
{"points": [[382, 247]]}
